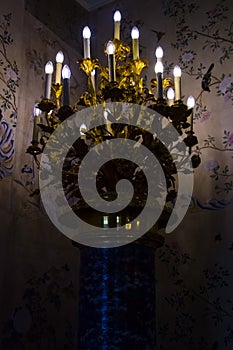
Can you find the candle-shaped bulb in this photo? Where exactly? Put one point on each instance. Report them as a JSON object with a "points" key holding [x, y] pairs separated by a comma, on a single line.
{"points": [[49, 67], [190, 105], [86, 32], [110, 48], [159, 72], [93, 79], [60, 57], [59, 61], [117, 24], [177, 82], [170, 94], [159, 52], [48, 79], [86, 42], [190, 102], [36, 111], [177, 72], [117, 16], [134, 33], [158, 67], [106, 115], [135, 42], [66, 73], [82, 128]]}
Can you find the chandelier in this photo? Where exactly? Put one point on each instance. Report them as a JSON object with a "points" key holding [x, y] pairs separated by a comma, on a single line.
{"points": [[120, 81]]}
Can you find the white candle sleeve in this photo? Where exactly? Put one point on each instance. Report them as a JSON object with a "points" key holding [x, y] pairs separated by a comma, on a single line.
{"points": [[48, 79], [135, 42], [86, 42], [48, 83], [66, 85], [36, 121], [59, 61], [111, 61], [117, 24], [177, 82], [159, 74]]}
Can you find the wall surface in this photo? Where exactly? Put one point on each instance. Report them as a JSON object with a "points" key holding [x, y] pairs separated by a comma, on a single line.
{"points": [[39, 266], [194, 267]]}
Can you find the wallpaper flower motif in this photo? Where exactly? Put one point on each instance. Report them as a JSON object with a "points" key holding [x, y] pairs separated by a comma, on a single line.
{"points": [[9, 82], [6, 149], [225, 84]]}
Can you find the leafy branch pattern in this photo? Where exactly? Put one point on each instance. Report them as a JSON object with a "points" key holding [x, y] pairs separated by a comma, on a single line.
{"points": [[9, 82], [183, 299], [9, 76], [32, 324], [214, 35]]}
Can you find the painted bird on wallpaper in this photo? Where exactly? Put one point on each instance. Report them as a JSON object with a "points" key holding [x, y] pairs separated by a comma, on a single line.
{"points": [[206, 80], [159, 35]]}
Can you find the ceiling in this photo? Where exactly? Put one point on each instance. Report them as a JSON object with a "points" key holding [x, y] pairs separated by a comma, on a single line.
{"points": [[91, 5]]}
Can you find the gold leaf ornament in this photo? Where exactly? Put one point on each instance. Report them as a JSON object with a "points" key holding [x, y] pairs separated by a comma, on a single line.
{"points": [[57, 90], [138, 65], [88, 65], [122, 50]]}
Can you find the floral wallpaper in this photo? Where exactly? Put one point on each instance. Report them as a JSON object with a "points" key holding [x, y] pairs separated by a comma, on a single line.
{"points": [[194, 306], [34, 59], [9, 79], [214, 38], [33, 321]]}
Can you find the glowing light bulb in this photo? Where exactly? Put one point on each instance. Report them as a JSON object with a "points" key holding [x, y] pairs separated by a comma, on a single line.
{"points": [[110, 48], [82, 128], [117, 24], [177, 82], [158, 67], [86, 32], [36, 111], [48, 78], [60, 57], [159, 52], [49, 67], [170, 94], [190, 102], [134, 33], [86, 42], [66, 73], [177, 71], [106, 115], [117, 16], [135, 42]]}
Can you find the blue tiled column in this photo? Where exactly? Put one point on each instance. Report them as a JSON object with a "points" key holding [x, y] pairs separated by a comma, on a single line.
{"points": [[117, 299]]}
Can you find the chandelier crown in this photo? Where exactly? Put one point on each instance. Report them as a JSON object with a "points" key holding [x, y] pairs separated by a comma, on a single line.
{"points": [[120, 81]]}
